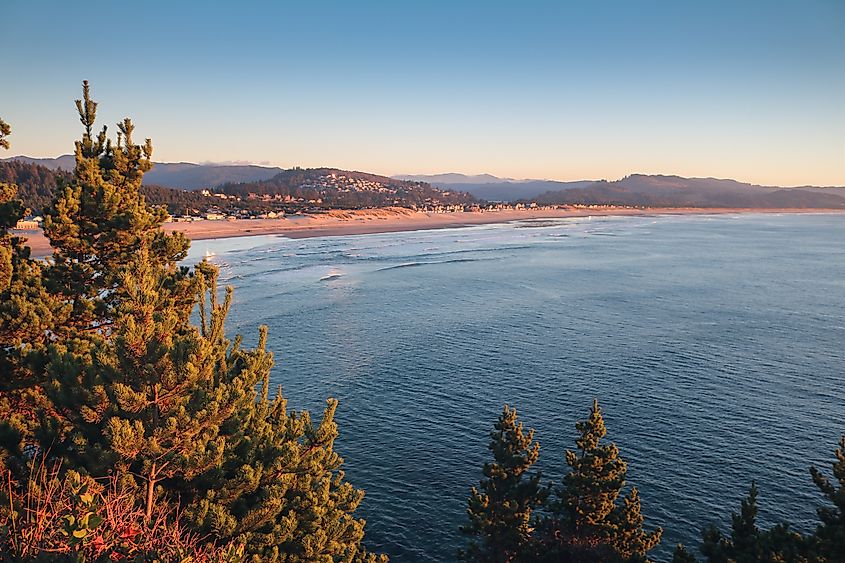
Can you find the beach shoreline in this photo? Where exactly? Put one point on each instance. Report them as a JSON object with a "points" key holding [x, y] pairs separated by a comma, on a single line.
{"points": [[389, 220]]}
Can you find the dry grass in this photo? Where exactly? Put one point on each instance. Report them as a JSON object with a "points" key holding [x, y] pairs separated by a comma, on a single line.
{"points": [[75, 518]]}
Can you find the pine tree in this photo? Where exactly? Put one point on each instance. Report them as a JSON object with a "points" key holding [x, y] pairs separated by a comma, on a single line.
{"points": [[11, 211], [747, 543], [829, 539], [27, 312], [588, 523], [682, 555], [100, 222], [178, 413], [501, 509], [279, 490], [744, 543]]}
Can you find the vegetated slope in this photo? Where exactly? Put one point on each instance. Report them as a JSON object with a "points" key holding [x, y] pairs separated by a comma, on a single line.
{"points": [[37, 185], [675, 191], [453, 178], [331, 187], [515, 191], [65, 162], [493, 188], [189, 176], [182, 175]]}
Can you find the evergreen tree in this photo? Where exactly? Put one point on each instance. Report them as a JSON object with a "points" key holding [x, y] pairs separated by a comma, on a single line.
{"points": [[682, 555], [176, 412], [829, 540], [588, 523], [11, 211], [27, 312], [99, 223], [747, 543], [744, 543], [501, 509]]}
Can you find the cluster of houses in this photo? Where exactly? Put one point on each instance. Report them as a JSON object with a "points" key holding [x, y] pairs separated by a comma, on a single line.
{"points": [[215, 213], [481, 208], [343, 183], [219, 215]]}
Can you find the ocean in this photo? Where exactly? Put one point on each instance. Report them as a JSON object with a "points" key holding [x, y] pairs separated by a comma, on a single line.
{"points": [[715, 345]]}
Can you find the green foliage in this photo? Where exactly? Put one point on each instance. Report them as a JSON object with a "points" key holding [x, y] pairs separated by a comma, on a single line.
{"points": [[37, 185], [99, 223], [588, 521], [500, 510], [80, 525], [749, 544], [513, 518], [119, 384], [26, 314], [830, 536], [681, 555]]}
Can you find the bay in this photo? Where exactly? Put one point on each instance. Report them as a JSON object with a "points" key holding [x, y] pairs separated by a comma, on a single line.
{"points": [[715, 345]]}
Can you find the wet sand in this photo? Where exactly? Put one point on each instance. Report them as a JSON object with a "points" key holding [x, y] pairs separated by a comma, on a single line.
{"points": [[396, 219]]}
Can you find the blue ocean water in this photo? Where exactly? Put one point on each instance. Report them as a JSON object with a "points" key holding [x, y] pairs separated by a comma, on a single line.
{"points": [[715, 345]]}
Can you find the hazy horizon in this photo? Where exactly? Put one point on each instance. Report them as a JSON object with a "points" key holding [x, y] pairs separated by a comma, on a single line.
{"points": [[493, 178], [751, 92]]}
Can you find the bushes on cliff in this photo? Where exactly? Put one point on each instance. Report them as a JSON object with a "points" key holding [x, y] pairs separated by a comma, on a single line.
{"points": [[113, 383]]}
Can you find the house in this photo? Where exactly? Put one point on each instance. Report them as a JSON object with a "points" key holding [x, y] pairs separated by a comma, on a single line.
{"points": [[28, 225]]}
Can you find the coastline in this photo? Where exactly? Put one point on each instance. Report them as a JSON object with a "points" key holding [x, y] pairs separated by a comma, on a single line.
{"points": [[393, 219]]}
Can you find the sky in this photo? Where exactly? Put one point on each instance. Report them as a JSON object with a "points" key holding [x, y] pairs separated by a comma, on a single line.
{"points": [[751, 90]]}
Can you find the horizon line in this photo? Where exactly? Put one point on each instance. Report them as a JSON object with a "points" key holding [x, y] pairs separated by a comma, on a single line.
{"points": [[227, 164]]}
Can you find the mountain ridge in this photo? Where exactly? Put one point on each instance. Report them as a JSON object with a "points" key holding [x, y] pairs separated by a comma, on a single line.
{"points": [[593, 191], [182, 175], [635, 189]]}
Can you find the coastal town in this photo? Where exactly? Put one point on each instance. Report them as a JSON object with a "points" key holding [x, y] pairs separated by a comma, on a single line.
{"points": [[312, 209], [316, 192]]}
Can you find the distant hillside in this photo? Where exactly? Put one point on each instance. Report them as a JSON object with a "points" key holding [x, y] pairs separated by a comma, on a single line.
{"points": [[290, 189], [188, 176], [65, 162], [38, 177], [675, 191], [492, 188], [453, 178], [515, 191], [37, 185], [346, 189], [182, 175]]}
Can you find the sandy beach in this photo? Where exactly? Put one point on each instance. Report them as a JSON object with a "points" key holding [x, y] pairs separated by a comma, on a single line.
{"points": [[396, 219]]}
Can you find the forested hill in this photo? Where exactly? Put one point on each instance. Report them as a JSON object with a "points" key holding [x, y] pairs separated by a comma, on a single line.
{"points": [[37, 184], [181, 175], [346, 189], [333, 188], [675, 191], [321, 187]]}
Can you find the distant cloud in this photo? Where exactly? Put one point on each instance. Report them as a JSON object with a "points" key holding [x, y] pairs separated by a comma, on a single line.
{"points": [[236, 163]]}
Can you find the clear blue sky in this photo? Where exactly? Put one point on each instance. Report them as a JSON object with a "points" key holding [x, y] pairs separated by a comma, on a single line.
{"points": [[753, 90]]}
